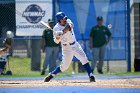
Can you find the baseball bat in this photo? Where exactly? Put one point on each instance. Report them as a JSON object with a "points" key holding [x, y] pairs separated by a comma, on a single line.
{"points": [[59, 33], [46, 25]]}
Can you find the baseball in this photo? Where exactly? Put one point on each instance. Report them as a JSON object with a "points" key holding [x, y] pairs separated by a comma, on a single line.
{"points": [[109, 26]]}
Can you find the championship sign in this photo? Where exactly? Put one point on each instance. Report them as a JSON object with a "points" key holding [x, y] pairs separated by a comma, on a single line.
{"points": [[29, 14]]}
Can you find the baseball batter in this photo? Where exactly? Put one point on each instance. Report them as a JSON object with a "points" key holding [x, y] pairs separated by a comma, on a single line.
{"points": [[63, 32]]}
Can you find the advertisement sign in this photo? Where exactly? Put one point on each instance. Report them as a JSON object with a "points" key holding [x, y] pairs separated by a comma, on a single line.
{"points": [[29, 14]]}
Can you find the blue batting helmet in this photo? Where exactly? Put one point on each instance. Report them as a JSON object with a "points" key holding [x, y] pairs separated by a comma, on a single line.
{"points": [[60, 16]]}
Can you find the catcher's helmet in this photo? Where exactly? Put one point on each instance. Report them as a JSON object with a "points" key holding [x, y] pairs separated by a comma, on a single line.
{"points": [[9, 34], [60, 16]]}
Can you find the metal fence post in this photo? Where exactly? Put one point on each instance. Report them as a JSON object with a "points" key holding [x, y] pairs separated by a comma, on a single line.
{"points": [[128, 38], [35, 55]]}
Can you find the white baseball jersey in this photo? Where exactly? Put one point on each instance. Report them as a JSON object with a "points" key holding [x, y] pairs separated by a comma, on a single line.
{"points": [[66, 38]]}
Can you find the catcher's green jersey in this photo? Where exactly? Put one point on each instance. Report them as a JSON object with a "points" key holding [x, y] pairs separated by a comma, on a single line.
{"points": [[48, 36], [98, 34]]}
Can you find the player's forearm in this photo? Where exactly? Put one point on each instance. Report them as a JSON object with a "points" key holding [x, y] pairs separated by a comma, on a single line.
{"points": [[70, 23], [2, 51], [43, 42], [91, 42], [109, 38], [67, 28]]}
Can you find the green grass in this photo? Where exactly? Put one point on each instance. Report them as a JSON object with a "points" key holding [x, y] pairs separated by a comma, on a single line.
{"points": [[21, 67]]}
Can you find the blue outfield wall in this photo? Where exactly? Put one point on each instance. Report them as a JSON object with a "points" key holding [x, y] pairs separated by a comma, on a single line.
{"points": [[83, 14]]}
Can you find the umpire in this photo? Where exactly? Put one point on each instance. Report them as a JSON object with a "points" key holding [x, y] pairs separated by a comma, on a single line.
{"points": [[50, 47], [99, 37]]}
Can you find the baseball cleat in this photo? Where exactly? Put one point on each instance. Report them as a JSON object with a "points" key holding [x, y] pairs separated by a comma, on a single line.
{"points": [[48, 77], [100, 71], [92, 79], [43, 73]]}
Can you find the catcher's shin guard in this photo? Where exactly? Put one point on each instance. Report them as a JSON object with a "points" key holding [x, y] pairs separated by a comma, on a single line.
{"points": [[48, 77]]}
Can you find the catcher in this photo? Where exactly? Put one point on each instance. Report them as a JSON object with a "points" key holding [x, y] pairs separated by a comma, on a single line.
{"points": [[7, 42]]}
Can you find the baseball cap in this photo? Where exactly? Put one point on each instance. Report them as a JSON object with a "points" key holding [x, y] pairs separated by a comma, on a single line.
{"points": [[50, 21], [60, 16], [99, 18]]}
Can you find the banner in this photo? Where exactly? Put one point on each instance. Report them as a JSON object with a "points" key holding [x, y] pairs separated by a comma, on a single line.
{"points": [[29, 14]]}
